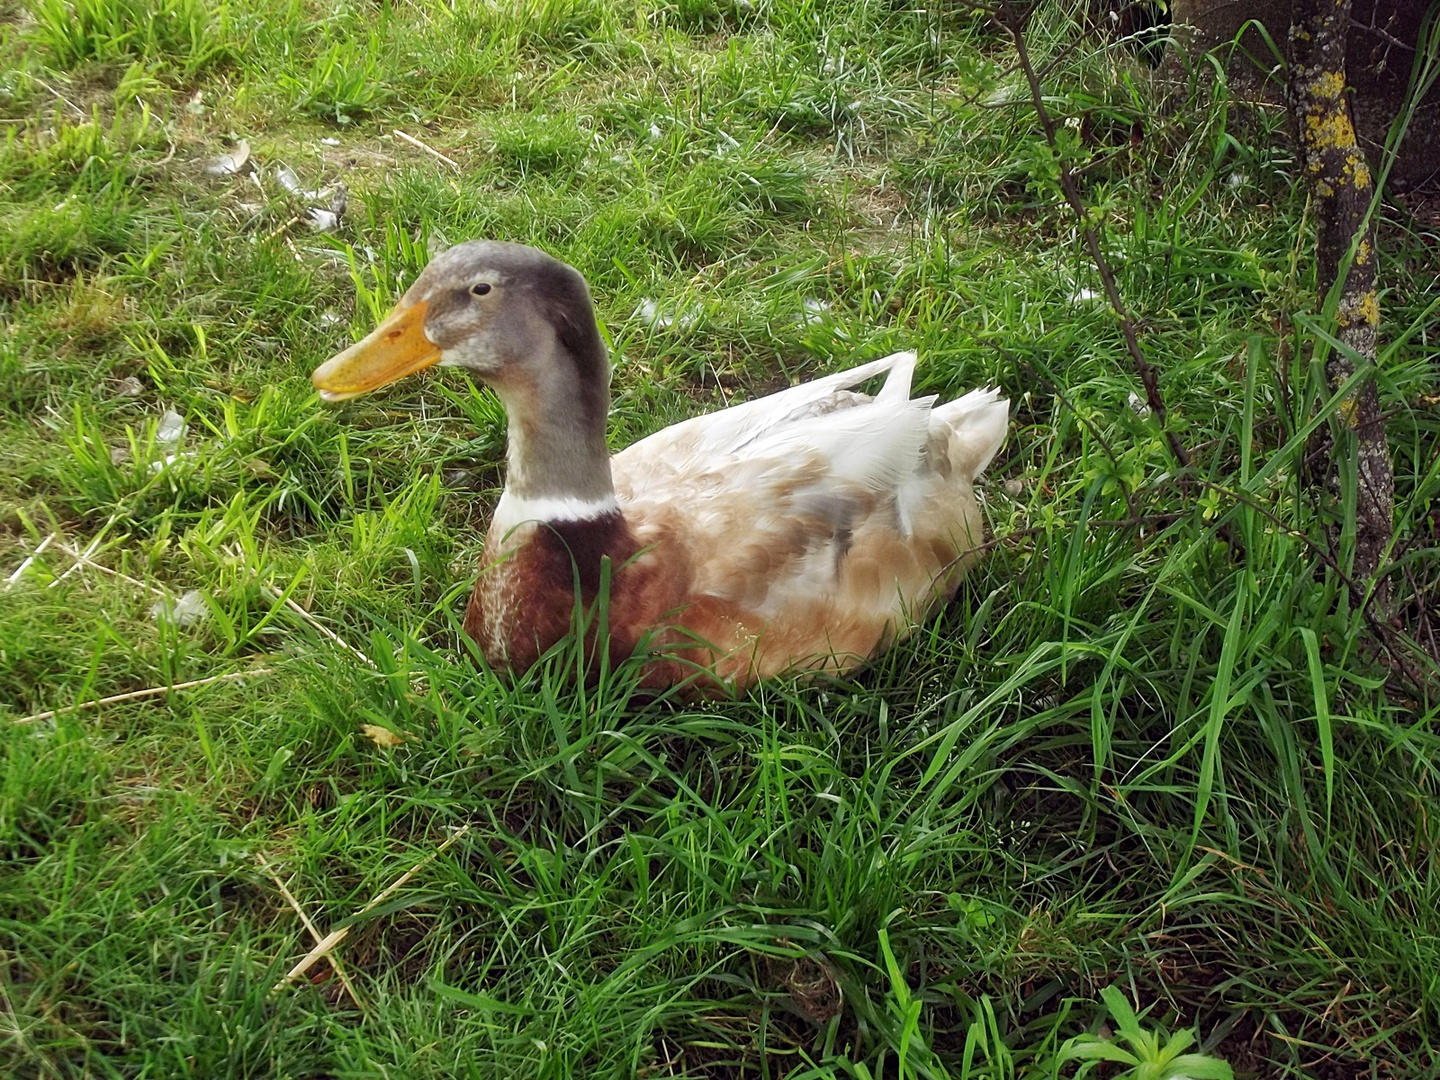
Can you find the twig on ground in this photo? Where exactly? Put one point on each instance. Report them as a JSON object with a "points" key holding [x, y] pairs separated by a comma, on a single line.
{"points": [[83, 558], [283, 228], [315, 624], [30, 559], [135, 695], [310, 926], [428, 149], [61, 97], [326, 944]]}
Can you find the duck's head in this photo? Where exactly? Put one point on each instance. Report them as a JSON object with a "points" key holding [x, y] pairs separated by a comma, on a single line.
{"points": [[513, 315]]}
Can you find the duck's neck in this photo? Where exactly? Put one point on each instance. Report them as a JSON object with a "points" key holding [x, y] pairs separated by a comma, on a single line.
{"points": [[557, 462]]}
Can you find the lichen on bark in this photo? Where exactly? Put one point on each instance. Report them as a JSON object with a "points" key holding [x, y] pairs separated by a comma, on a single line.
{"points": [[1342, 188]]}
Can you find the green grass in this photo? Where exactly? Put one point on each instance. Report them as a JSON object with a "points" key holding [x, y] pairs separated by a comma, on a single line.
{"points": [[1157, 766]]}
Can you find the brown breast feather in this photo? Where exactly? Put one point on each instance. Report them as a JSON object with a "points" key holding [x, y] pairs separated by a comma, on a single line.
{"points": [[524, 600]]}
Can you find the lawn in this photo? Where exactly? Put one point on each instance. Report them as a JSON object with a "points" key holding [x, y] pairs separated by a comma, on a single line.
{"points": [[1151, 757]]}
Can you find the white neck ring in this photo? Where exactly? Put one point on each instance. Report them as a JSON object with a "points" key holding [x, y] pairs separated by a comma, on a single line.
{"points": [[513, 510]]}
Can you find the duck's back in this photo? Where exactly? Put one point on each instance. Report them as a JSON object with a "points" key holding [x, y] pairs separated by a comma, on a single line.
{"points": [[808, 529]]}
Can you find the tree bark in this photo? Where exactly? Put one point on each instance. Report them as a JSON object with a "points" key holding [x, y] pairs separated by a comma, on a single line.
{"points": [[1342, 188]]}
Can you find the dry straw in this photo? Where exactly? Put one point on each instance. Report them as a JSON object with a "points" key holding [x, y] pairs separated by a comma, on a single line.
{"points": [[324, 946]]}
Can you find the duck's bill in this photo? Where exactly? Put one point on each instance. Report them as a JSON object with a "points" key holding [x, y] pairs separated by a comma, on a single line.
{"points": [[394, 349]]}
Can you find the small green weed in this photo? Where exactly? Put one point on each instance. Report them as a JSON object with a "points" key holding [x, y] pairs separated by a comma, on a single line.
{"points": [[1141, 1053]]}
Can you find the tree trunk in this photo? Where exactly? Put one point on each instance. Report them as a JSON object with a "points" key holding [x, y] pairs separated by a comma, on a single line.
{"points": [[1380, 45], [1341, 188]]}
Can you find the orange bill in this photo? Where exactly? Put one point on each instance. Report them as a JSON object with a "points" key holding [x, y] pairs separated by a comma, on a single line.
{"points": [[394, 349]]}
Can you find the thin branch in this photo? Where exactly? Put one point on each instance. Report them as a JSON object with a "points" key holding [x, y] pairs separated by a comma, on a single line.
{"points": [[136, 695], [1382, 34], [428, 149], [1362, 597], [1012, 21], [83, 558]]}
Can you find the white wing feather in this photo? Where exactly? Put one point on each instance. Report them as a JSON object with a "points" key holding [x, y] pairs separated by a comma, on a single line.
{"points": [[726, 431], [870, 442]]}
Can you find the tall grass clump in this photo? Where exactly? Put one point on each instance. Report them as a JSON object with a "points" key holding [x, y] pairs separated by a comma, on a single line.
{"points": [[188, 34]]}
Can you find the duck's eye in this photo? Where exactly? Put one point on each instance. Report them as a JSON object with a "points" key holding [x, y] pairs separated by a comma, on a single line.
{"points": [[480, 288]]}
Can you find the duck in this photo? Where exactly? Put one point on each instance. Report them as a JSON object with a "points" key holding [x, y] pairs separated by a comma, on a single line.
{"points": [[799, 533]]}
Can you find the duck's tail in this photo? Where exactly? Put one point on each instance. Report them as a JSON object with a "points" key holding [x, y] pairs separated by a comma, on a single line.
{"points": [[977, 423]]}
